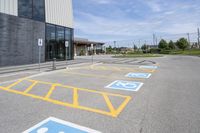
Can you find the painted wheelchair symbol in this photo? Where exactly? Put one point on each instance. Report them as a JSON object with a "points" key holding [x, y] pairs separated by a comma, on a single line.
{"points": [[125, 85]]}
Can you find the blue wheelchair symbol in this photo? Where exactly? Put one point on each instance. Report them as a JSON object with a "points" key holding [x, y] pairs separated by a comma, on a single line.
{"points": [[138, 75], [125, 85], [53, 125], [149, 67]]}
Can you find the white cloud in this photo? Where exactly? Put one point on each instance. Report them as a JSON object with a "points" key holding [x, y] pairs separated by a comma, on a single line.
{"points": [[170, 20], [154, 5]]}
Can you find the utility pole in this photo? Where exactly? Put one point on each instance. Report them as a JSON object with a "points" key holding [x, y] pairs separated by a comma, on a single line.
{"points": [[139, 42], [115, 47], [154, 38], [146, 45], [198, 37], [188, 34]]}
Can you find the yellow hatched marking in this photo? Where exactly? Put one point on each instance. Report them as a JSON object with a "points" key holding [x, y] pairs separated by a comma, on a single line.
{"points": [[110, 106], [75, 97], [112, 111], [30, 87], [15, 83], [122, 106], [51, 91]]}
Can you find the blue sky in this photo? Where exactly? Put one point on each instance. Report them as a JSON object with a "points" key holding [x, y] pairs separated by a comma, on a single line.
{"points": [[108, 20]]}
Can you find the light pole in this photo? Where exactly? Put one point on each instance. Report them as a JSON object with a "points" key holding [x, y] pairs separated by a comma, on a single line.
{"points": [[66, 47], [92, 46], [115, 47], [198, 37], [40, 43]]}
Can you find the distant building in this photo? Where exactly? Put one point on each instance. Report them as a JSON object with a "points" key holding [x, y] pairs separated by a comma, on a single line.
{"points": [[83, 47], [194, 45]]}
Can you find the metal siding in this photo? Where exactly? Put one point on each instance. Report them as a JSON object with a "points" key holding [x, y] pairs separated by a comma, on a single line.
{"points": [[59, 12], [9, 7]]}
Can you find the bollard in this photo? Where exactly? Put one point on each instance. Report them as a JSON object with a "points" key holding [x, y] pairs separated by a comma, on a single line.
{"points": [[54, 63]]}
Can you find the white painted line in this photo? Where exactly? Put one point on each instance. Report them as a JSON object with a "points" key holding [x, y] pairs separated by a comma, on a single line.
{"points": [[85, 129]]}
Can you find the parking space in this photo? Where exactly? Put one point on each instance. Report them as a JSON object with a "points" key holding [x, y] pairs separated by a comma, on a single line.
{"points": [[104, 89], [106, 97]]}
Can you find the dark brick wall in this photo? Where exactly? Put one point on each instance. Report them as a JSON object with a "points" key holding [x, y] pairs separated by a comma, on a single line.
{"points": [[18, 40]]}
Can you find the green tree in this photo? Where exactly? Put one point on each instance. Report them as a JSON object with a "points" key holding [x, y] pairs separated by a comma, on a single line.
{"points": [[182, 43], [171, 45], [144, 48], [109, 49], [162, 44]]}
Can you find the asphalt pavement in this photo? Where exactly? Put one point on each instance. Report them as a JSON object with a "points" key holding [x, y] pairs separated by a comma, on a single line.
{"points": [[166, 102]]}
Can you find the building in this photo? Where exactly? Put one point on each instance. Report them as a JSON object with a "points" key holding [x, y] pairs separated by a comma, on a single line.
{"points": [[83, 47], [23, 22]]}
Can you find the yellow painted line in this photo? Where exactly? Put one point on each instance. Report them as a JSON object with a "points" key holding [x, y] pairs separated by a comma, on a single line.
{"points": [[96, 111], [83, 89], [122, 69], [109, 104], [113, 112], [50, 91], [93, 75], [36, 97], [15, 83], [30, 87], [75, 97], [123, 105]]}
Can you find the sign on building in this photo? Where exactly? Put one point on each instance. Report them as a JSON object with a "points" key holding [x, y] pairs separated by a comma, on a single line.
{"points": [[66, 44], [40, 42]]}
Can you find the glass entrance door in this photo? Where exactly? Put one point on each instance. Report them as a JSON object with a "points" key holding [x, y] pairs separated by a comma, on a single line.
{"points": [[55, 42], [50, 42], [60, 43]]}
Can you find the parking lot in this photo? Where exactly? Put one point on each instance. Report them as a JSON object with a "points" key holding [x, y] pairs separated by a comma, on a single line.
{"points": [[106, 96]]}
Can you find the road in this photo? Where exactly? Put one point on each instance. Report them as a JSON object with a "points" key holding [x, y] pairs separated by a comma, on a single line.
{"points": [[168, 101]]}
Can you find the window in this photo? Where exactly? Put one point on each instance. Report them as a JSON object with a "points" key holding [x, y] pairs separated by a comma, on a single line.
{"points": [[25, 8], [55, 42], [60, 46], [38, 10], [32, 9], [68, 37], [50, 41]]}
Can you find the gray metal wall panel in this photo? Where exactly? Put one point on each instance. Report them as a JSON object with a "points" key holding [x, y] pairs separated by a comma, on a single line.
{"points": [[18, 40], [9, 7], [59, 12]]}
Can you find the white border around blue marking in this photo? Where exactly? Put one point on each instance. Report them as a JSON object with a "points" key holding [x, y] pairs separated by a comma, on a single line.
{"points": [[85, 129], [149, 67], [110, 86], [138, 75]]}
